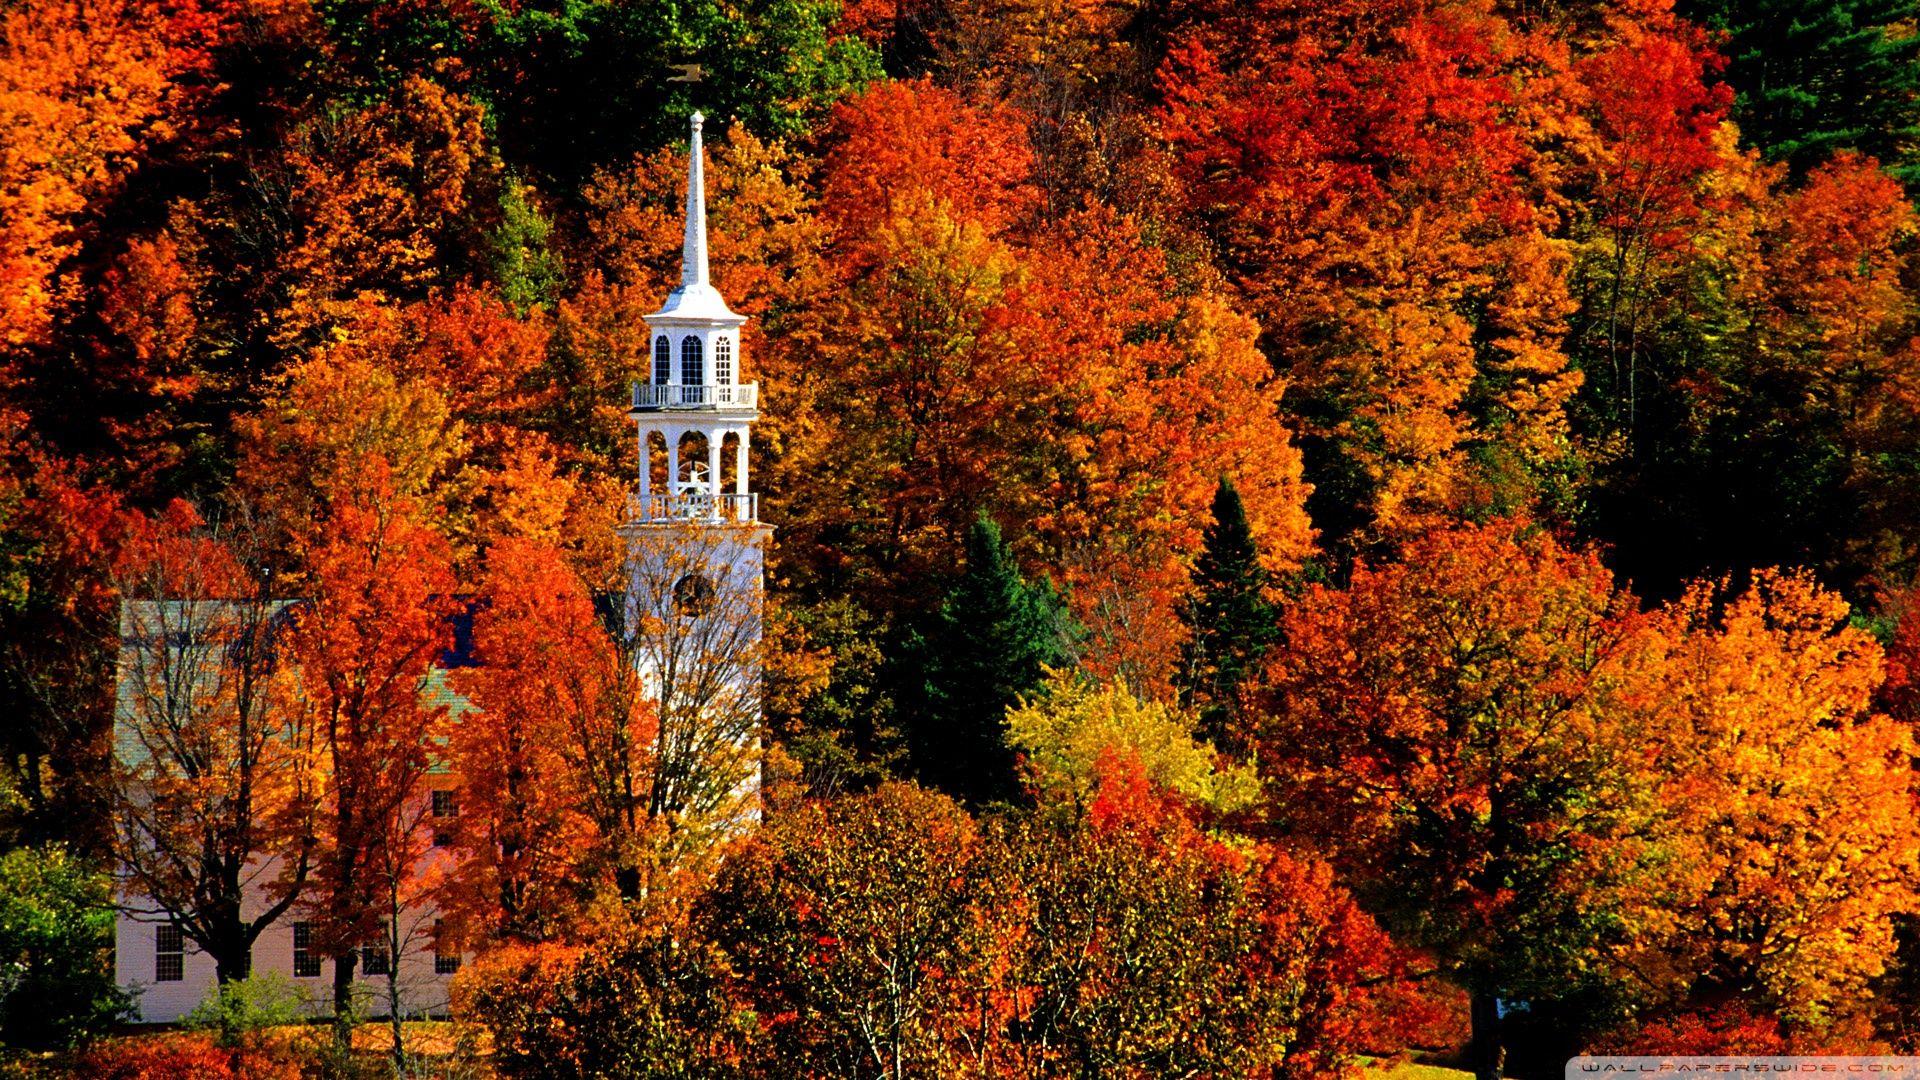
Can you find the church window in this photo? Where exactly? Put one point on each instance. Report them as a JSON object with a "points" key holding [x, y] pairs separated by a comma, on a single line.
{"points": [[169, 953], [662, 361], [446, 954], [690, 362], [723, 360], [306, 962], [693, 595]]}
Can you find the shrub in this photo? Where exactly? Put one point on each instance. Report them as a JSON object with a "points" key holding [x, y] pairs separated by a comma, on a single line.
{"points": [[246, 1006], [175, 1057], [56, 949], [649, 1005]]}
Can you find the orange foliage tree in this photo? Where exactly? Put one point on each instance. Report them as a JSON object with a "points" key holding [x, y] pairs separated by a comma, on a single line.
{"points": [[1363, 170], [449, 391], [382, 595], [1793, 847], [85, 88], [381, 197], [1650, 140], [1147, 394], [213, 774], [1466, 728], [1061, 375], [1828, 357], [552, 764]]}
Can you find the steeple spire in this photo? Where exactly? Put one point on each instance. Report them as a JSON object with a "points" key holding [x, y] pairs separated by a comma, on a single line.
{"points": [[693, 256], [696, 298]]}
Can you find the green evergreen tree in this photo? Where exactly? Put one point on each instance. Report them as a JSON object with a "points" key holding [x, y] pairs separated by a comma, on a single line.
{"points": [[1815, 76], [988, 644], [524, 262], [1230, 624]]}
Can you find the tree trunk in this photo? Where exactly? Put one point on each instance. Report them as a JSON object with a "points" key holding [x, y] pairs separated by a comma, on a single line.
{"points": [[343, 1000], [232, 962], [396, 1020], [626, 880], [1487, 1053]]}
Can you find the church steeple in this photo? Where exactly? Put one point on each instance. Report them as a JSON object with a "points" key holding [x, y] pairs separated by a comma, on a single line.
{"points": [[696, 298], [696, 547], [693, 397], [693, 253]]}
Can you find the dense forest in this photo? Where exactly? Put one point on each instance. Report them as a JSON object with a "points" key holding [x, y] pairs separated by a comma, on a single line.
{"points": [[1305, 529]]}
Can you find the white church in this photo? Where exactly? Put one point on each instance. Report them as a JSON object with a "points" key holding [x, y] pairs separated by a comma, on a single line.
{"points": [[696, 553]]}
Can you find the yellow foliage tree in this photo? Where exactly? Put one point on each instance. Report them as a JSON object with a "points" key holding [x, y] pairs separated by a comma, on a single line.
{"points": [[1074, 727]]}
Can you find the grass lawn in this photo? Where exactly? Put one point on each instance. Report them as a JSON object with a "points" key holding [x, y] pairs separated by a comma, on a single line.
{"points": [[1411, 1070]]}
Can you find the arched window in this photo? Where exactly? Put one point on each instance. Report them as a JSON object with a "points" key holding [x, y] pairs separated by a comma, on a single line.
{"points": [[662, 361], [690, 366], [723, 360]]}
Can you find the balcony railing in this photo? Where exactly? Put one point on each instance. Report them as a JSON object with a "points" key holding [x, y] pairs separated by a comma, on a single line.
{"points": [[694, 506], [702, 396]]}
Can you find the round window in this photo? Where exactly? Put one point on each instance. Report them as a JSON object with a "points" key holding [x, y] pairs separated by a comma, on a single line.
{"points": [[693, 595]]}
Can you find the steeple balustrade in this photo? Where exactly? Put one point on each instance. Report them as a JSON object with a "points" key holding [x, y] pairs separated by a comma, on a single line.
{"points": [[698, 506], [700, 396]]}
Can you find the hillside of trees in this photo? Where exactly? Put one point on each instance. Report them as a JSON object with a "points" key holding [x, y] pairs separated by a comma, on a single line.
{"points": [[1305, 529]]}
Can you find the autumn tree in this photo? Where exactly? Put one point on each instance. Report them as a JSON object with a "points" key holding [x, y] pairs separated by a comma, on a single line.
{"points": [[1071, 730], [58, 637], [1150, 389], [450, 391], [553, 762], [1833, 328], [1794, 849], [85, 90], [365, 643], [611, 750], [380, 197], [1361, 169], [859, 928], [1464, 726], [1779, 435], [922, 449], [969, 321], [1150, 949], [213, 772], [332, 415]]}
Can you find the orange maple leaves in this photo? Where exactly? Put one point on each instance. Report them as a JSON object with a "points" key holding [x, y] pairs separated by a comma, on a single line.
{"points": [[1493, 725]]}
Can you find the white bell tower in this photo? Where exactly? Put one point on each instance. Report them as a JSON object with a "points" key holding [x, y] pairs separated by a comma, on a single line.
{"points": [[694, 385], [696, 548]]}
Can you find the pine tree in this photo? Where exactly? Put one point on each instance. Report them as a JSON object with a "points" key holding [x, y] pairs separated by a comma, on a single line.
{"points": [[988, 644], [1815, 76], [1230, 624]]}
